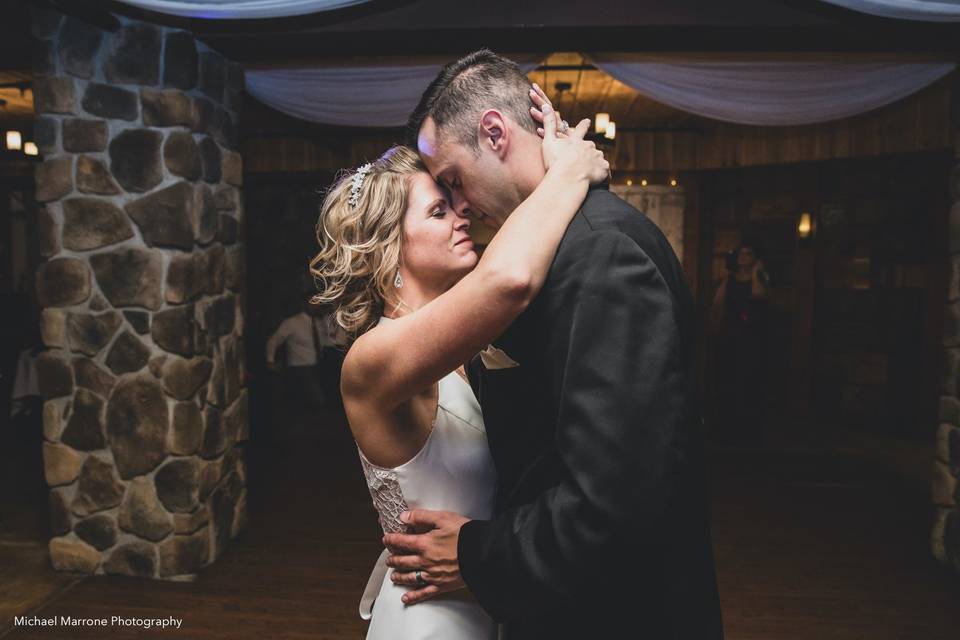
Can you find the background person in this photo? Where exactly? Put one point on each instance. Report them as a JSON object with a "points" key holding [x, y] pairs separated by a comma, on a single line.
{"points": [[741, 309]]}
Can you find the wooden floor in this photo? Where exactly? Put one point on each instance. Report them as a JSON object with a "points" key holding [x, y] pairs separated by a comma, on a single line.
{"points": [[827, 547], [809, 546]]}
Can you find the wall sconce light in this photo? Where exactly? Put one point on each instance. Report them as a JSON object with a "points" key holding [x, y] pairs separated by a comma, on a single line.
{"points": [[673, 182], [805, 226], [600, 122], [30, 148], [611, 131], [14, 140], [643, 182], [629, 182]]}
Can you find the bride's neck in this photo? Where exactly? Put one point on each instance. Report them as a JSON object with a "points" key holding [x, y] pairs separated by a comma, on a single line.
{"points": [[409, 298]]}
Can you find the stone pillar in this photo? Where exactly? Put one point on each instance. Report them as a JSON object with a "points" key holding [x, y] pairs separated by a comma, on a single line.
{"points": [[946, 467], [145, 412]]}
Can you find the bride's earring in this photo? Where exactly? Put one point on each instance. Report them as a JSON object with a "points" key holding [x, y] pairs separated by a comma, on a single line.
{"points": [[398, 281]]}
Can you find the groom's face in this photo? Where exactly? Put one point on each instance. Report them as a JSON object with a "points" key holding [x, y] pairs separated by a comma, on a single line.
{"points": [[475, 179]]}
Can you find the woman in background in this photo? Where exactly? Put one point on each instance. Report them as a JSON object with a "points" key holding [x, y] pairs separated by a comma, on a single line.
{"points": [[741, 305]]}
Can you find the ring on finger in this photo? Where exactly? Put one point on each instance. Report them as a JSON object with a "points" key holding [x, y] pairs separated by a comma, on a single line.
{"points": [[420, 581], [564, 125]]}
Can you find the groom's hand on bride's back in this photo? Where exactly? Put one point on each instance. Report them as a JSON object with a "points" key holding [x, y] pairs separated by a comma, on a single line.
{"points": [[431, 549]]}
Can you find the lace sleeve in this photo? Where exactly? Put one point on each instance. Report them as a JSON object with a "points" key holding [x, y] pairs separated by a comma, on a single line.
{"points": [[387, 496]]}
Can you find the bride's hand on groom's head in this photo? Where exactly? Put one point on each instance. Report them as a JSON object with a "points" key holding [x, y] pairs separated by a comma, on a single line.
{"points": [[566, 146], [549, 118], [541, 105]]}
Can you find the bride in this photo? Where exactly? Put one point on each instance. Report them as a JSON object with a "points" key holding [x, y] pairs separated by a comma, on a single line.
{"points": [[397, 263]]}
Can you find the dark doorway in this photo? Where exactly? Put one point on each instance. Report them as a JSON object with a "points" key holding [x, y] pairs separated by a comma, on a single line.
{"points": [[855, 308]]}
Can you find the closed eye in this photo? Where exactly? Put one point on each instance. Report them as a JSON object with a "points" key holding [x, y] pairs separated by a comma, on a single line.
{"points": [[438, 208]]}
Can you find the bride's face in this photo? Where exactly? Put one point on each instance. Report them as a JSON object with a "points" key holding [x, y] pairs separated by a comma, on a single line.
{"points": [[437, 249]]}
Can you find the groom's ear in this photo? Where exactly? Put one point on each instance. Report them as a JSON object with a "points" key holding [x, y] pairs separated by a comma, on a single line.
{"points": [[494, 134]]}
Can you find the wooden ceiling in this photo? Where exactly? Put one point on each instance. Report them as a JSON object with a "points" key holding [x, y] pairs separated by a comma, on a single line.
{"points": [[18, 99]]}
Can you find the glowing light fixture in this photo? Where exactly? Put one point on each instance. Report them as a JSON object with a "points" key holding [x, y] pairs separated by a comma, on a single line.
{"points": [[611, 131], [643, 182], [600, 122], [30, 148], [673, 182], [14, 140], [805, 225], [629, 183]]}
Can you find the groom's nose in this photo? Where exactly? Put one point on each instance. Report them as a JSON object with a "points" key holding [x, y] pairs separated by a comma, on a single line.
{"points": [[461, 205]]}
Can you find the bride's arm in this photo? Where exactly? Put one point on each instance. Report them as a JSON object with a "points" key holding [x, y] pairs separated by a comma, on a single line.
{"points": [[388, 366]]}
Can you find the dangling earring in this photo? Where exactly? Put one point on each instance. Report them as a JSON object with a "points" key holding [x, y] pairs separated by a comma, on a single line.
{"points": [[398, 281]]}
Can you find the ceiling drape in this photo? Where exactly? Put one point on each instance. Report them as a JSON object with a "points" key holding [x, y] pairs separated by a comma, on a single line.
{"points": [[927, 10], [931, 10], [241, 9], [353, 96], [773, 93], [755, 93]]}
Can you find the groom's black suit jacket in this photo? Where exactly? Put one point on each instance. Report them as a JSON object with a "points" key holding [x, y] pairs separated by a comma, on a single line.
{"points": [[601, 516]]}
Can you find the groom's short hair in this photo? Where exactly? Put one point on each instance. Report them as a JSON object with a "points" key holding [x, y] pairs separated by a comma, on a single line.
{"points": [[464, 89]]}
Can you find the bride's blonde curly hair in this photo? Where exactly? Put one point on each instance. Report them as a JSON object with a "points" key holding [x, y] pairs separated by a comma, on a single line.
{"points": [[360, 244]]}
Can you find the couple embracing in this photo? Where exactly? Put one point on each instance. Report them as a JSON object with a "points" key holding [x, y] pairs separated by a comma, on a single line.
{"points": [[527, 421]]}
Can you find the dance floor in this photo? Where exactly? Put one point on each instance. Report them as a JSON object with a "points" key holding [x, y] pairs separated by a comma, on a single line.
{"points": [[810, 546]]}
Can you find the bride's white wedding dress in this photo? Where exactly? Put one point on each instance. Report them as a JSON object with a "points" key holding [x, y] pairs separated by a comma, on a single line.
{"points": [[452, 472]]}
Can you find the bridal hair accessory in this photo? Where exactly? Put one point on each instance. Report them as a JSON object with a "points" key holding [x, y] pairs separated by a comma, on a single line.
{"points": [[357, 184], [398, 281]]}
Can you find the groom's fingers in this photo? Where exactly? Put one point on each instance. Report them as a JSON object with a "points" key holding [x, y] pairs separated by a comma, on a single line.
{"points": [[406, 563], [422, 520], [409, 578], [413, 597], [403, 542]]}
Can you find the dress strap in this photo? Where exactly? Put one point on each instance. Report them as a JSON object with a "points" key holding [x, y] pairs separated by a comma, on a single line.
{"points": [[374, 583]]}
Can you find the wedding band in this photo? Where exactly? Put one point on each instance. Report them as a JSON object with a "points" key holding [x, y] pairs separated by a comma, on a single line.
{"points": [[420, 581]]}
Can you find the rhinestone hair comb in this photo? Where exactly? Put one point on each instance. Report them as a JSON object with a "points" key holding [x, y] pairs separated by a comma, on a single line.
{"points": [[357, 183]]}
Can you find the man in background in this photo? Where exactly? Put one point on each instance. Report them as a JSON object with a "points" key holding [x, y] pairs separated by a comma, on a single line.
{"points": [[308, 340]]}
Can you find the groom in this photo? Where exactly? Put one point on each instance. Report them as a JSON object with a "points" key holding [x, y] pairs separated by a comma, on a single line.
{"points": [[590, 404]]}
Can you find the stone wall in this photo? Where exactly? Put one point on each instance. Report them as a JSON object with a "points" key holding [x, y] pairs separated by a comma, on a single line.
{"points": [[946, 467], [145, 412]]}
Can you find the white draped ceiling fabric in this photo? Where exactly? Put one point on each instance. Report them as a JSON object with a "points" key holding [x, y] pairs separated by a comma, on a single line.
{"points": [[927, 10], [773, 93], [376, 96], [352, 96], [241, 9], [754, 93], [931, 10]]}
